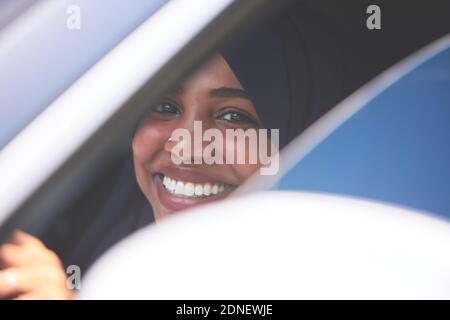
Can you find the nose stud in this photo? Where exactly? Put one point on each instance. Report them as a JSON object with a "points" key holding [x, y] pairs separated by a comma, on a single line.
{"points": [[169, 144]]}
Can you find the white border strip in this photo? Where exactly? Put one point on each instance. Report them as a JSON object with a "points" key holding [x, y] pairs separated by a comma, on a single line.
{"points": [[320, 130], [41, 148]]}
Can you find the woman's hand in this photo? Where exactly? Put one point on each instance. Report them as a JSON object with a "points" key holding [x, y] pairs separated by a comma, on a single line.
{"points": [[29, 270]]}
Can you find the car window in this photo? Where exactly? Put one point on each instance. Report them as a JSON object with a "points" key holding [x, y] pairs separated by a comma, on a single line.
{"points": [[87, 110], [395, 148], [41, 55]]}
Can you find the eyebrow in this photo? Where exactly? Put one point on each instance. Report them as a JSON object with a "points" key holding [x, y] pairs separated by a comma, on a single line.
{"points": [[177, 90], [222, 92], [225, 92]]}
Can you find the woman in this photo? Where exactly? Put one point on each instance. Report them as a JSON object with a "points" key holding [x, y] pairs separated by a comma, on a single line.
{"points": [[267, 81]]}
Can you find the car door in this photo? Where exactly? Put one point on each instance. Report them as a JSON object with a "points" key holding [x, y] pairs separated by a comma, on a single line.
{"points": [[64, 161]]}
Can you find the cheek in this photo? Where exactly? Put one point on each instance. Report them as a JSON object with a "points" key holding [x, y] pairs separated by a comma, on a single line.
{"points": [[251, 162], [253, 149], [148, 140], [244, 171], [147, 143]]}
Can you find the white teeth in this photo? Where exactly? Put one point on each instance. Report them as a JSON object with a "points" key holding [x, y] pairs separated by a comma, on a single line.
{"points": [[172, 184], [198, 190], [207, 189], [179, 188], [190, 189]]}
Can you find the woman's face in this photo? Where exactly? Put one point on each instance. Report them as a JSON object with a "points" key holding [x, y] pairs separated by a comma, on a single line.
{"points": [[214, 96]]}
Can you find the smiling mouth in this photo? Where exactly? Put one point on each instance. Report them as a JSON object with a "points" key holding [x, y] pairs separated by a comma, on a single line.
{"points": [[193, 190]]}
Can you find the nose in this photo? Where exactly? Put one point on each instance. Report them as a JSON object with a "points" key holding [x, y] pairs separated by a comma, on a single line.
{"points": [[170, 143], [188, 140]]}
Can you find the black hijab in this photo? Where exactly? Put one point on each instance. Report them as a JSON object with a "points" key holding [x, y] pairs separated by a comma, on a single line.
{"points": [[293, 69]]}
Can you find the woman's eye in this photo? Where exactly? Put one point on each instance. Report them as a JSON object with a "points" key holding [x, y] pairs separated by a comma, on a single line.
{"points": [[237, 117], [166, 108]]}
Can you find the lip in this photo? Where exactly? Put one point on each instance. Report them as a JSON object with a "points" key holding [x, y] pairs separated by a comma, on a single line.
{"points": [[176, 203], [189, 175]]}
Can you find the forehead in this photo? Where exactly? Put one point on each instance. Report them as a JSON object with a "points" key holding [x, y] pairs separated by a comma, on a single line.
{"points": [[214, 73]]}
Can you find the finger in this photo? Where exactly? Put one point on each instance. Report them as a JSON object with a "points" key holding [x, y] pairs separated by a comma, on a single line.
{"points": [[47, 294], [35, 248], [29, 296], [12, 255], [23, 238], [15, 281], [12, 283]]}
